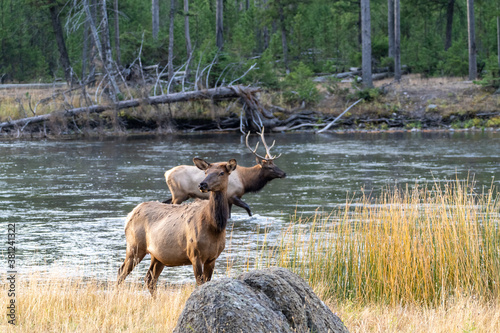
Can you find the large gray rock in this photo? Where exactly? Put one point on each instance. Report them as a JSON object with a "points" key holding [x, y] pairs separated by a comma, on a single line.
{"points": [[270, 300]]}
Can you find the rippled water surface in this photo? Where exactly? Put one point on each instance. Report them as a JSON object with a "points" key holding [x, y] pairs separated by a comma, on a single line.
{"points": [[69, 199]]}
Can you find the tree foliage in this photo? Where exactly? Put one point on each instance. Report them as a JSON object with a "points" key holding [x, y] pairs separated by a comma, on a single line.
{"points": [[322, 36]]}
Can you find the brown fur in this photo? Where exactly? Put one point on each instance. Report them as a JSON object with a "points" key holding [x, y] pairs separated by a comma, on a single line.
{"points": [[176, 235]]}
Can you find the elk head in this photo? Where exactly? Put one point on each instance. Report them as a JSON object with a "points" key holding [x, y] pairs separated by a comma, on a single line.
{"points": [[269, 169], [216, 174]]}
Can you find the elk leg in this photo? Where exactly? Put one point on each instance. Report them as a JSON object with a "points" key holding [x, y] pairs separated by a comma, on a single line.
{"points": [[240, 203], [208, 269], [179, 199], [198, 273], [152, 275], [230, 205], [131, 260]]}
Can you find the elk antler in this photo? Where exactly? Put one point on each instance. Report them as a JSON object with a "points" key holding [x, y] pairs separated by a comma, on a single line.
{"points": [[255, 150], [268, 157]]}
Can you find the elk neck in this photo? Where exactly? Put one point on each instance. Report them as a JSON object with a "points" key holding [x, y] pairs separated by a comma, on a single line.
{"points": [[252, 178], [217, 210]]}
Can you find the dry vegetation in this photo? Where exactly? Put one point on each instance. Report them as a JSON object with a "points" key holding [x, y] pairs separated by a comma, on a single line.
{"points": [[22, 103], [408, 246], [446, 96], [412, 260], [69, 305], [415, 102], [90, 306]]}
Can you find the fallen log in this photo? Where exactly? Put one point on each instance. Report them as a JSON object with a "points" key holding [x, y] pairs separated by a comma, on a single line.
{"points": [[337, 76], [213, 94], [32, 85], [380, 76]]}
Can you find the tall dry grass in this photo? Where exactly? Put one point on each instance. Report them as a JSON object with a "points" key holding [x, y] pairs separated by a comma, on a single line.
{"points": [[412, 246], [59, 305], [77, 305]]}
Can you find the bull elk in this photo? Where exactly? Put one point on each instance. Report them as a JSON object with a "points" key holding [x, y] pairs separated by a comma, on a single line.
{"points": [[182, 180], [177, 235]]}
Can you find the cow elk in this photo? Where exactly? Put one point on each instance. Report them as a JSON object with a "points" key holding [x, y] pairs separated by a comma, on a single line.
{"points": [[177, 235], [182, 180]]}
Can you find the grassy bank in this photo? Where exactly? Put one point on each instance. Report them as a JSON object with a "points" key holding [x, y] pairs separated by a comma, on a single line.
{"points": [[74, 306], [414, 103], [408, 260]]}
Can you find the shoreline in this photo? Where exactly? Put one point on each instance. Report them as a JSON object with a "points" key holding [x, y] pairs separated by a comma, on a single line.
{"points": [[127, 133]]}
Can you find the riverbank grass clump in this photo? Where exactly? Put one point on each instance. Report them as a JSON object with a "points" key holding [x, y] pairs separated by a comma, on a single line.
{"points": [[421, 246]]}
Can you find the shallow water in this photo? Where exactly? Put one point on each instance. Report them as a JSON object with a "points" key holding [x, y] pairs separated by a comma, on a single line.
{"points": [[69, 199]]}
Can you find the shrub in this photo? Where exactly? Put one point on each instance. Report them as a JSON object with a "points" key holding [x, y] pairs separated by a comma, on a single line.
{"points": [[493, 122], [298, 86]]}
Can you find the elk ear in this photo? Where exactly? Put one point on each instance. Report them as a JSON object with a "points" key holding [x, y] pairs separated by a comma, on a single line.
{"points": [[201, 164], [231, 165], [258, 160]]}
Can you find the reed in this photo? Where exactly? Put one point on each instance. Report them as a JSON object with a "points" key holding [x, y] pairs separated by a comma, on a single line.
{"points": [[407, 246]]}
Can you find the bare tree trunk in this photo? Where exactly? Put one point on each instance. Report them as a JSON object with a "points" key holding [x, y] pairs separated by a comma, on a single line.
{"points": [[155, 11], [472, 40], [2, 45], [284, 42], [219, 13], [265, 33], [449, 24], [397, 43], [366, 44], [359, 24], [61, 45], [93, 47], [106, 64], [390, 26], [85, 49], [171, 41], [189, 49], [105, 43], [117, 34], [498, 40]]}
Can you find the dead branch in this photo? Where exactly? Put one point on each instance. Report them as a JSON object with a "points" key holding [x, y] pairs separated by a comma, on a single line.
{"points": [[333, 122]]}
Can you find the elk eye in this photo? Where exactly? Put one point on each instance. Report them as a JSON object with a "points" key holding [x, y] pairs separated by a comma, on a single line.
{"points": [[221, 174]]}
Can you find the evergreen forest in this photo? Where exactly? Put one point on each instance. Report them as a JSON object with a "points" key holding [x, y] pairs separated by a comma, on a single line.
{"points": [[48, 40]]}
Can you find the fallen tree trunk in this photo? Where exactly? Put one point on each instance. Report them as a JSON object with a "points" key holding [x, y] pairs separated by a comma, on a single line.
{"points": [[33, 85], [338, 76], [213, 94]]}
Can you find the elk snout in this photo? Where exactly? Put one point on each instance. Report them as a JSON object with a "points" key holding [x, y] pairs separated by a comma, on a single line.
{"points": [[203, 187]]}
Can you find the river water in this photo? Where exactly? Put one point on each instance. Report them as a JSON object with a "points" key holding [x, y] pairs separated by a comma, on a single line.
{"points": [[69, 198]]}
